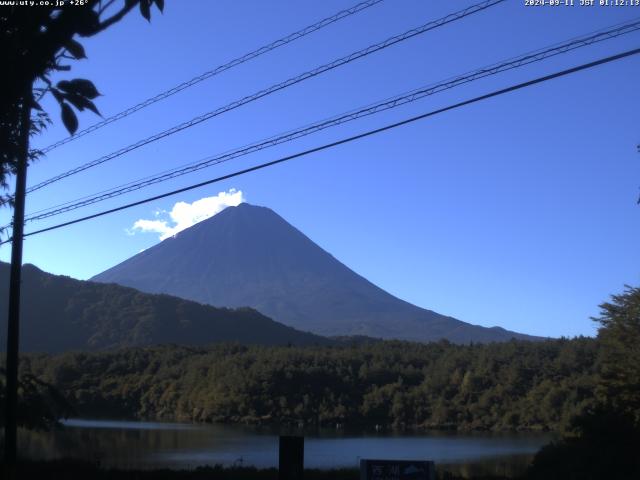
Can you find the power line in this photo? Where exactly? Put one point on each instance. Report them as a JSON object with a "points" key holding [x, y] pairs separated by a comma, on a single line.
{"points": [[219, 69], [369, 133], [414, 95], [274, 88]]}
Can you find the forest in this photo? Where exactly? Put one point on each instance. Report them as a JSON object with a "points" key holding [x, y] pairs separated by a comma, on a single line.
{"points": [[586, 390], [516, 385]]}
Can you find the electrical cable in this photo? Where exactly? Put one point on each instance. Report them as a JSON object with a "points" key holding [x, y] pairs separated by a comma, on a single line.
{"points": [[369, 133], [393, 102], [217, 70], [274, 88]]}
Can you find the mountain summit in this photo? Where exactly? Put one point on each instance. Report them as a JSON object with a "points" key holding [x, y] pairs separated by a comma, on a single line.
{"points": [[250, 256]]}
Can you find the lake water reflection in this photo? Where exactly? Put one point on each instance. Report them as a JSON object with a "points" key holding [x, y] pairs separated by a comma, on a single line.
{"points": [[125, 444]]}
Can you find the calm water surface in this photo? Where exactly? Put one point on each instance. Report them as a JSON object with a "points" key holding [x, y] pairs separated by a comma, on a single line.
{"points": [[154, 445]]}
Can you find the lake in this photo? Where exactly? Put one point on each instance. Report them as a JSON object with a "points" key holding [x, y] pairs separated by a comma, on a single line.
{"points": [[146, 445]]}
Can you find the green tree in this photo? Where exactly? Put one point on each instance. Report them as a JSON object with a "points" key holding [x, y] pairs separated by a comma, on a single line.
{"points": [[619, 337], [40, 405], [602, 442]]}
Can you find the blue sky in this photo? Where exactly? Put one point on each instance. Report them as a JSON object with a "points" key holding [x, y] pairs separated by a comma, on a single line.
{"points": [[519, 211]]}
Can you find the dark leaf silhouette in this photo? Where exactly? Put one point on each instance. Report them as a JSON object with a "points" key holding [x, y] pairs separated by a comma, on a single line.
{"points": [[145, 9], [69, 118], [79, 86], [90, 24], [160, 5], [91, 106], [58, 95], [36, 106], [81, 103], [75, 49]]}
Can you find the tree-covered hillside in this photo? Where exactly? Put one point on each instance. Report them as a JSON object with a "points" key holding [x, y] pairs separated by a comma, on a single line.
{"points": [[60, 313], [505, 386]]}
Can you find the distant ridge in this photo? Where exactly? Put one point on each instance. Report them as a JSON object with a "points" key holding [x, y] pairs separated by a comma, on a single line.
{"points": [[60, 314], [250, 256]]}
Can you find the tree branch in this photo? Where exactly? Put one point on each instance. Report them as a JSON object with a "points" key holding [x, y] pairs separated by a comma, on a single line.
{"points": [[105, 7], [115, 18]]}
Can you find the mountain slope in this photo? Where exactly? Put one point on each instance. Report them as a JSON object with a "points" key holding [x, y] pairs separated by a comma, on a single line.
{"points": [[60, 313], [250, 256]]}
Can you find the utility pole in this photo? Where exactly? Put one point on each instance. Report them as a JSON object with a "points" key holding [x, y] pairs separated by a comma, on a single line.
{"points": [[13, 326]]}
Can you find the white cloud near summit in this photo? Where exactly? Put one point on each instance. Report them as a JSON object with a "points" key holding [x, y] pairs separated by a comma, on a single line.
{"points": [[184, 215]]}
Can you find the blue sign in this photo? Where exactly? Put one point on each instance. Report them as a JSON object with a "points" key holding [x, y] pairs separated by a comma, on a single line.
{"points": [[397, 470]]}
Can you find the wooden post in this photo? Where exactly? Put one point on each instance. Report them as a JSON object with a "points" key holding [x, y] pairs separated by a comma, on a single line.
{"points": [[13, 325], [291, 458]]}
